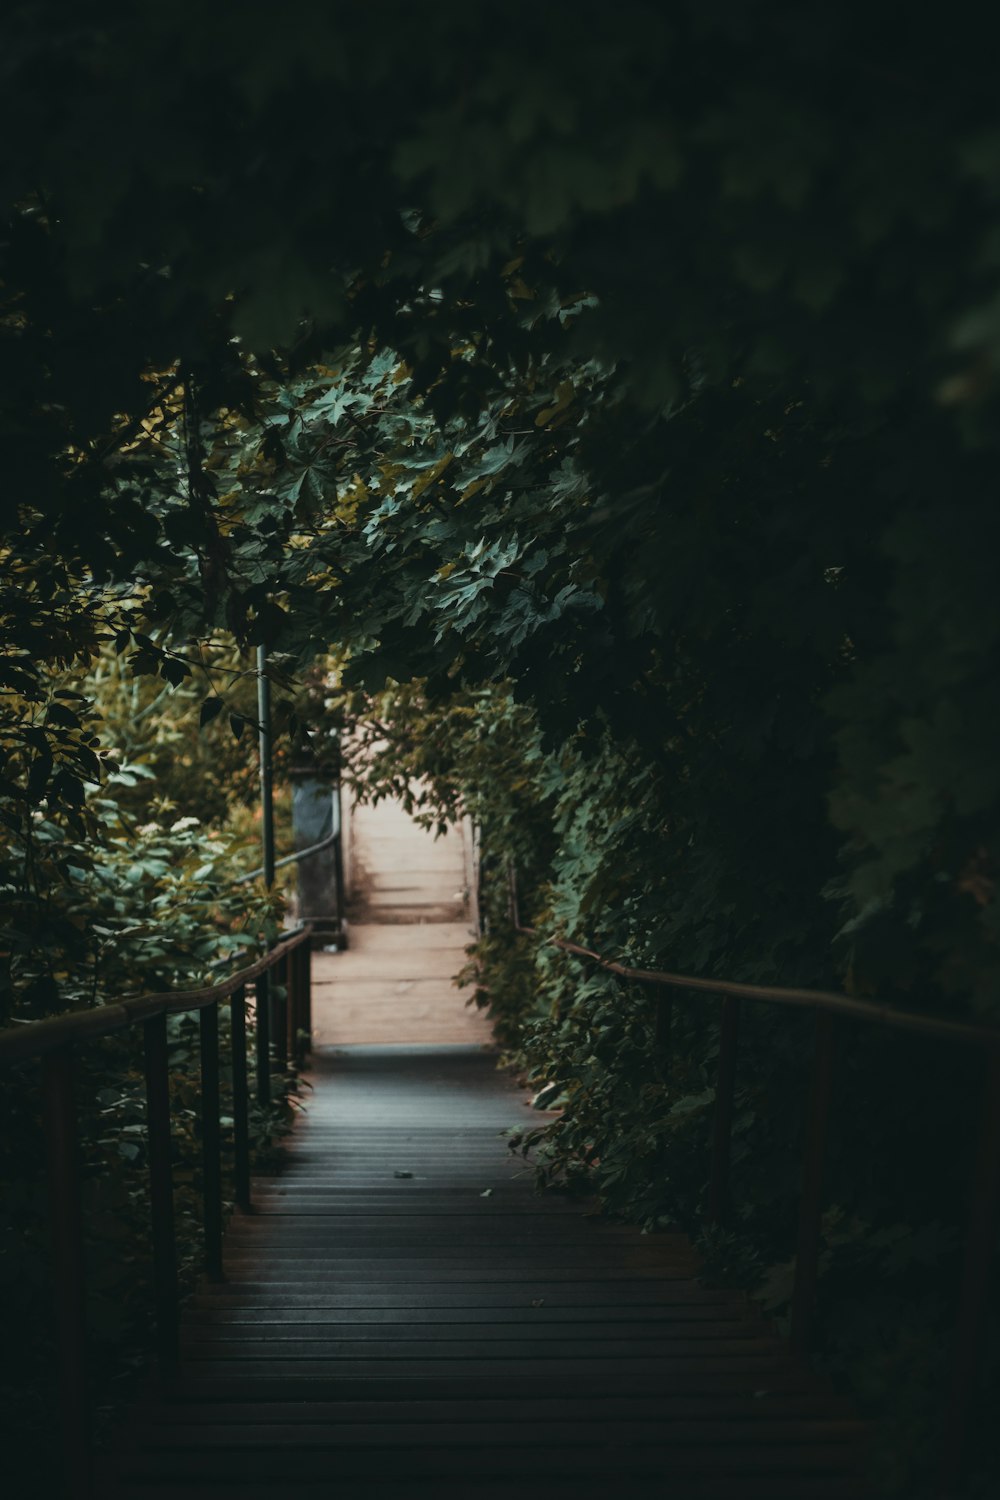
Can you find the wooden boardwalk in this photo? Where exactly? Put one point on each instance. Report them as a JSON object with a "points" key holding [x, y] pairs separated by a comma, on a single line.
{"points": [[405, 1317]]}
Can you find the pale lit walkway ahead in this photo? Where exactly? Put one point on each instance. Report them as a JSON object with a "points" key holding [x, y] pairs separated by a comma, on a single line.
{"points": [[410, 924]]}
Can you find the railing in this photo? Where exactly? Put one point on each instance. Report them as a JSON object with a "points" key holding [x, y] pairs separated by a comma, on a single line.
{"points": [[828, 1006], [333, 840], [286, 1018]]}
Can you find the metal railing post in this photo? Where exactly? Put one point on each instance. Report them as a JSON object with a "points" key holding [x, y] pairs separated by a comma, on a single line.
{"points": [[811, 1197], [307, 995], [722, 1127], [280, 1011], [161, 1192], [979, 1247], [241, 1098], [211, 1139], [69, 1294], [262, 1015], [664, 1002], [293, 979], [266, 765]]}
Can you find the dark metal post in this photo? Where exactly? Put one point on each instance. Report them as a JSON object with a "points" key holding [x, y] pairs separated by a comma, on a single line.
{"points": [[211, 1140], [338, 857], [664, 1002], [161, 1192], [280, 1011], [241, 1102], [293, 973], [262, 1012], [266, 765], [66, 1223], [298, 979], [307, 995], [725, 1084], [811, 1198], [979, 1246]]}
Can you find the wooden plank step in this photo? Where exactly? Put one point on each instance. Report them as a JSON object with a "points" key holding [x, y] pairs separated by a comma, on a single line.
{"points": [[479, 1487], [307, 1229], [491, 1381], [609, 1292], [747, 1371], [407, 1338], [425, 1343], [323, 1275], [340, 1436], [512, 1459], [515, 1411], [649, 1320]]}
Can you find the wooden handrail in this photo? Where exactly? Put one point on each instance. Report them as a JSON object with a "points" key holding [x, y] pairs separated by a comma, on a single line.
{"points": [[827, 1000], [825, 1006], [35, 1038], [56, 1042]]}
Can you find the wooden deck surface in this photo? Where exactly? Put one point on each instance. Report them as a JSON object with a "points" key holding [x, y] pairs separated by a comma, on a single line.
{"points": [[405, 1317]]}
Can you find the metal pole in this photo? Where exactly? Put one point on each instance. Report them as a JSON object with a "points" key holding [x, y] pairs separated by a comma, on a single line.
{"points": [[241, 1114], [266, 765], [293, 1004], [811, 1198], [66, 1220], [718, 1191], [338, 859], [279, 1011], [211, 1140], [262, 1011], [979, 1246], [161, 1192], [664, 1002], [307, 995]]}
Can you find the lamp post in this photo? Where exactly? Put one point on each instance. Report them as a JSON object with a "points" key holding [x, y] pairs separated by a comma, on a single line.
{"points": [[266, 765]]}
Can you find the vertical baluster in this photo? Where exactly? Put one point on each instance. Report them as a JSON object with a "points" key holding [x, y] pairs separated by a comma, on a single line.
{"points": [[241, 1101], [262, 1012], [338, 864], [722, 1128], [161, 1192], [279, 992], [664, 1001], [211, 1139], [979, 1247], [307, 994], [292, 972], [66, 1224], [811, 1197]]}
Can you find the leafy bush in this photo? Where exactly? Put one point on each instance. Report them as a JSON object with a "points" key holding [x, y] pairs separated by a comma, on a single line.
{"points": [[595, 835]]}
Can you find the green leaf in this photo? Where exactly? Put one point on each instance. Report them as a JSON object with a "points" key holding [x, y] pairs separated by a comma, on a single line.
{"points": [[210, 709]]}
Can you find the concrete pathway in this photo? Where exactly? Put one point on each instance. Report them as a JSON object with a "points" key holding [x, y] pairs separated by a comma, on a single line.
{"points": [[408, 930]]}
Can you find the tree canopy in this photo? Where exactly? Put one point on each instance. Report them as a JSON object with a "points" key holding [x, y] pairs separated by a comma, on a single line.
{"points": [[613, 390], [645, 357]]}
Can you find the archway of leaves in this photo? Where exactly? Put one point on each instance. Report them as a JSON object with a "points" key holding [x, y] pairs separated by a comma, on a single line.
{"points": [[599, 411]]}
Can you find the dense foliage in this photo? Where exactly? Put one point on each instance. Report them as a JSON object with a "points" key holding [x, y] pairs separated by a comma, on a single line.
{"points": [[631, 387], [585, 834]]}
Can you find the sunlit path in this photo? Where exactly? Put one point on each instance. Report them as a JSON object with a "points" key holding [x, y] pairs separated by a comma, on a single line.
{"points": [[409, 929]]}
